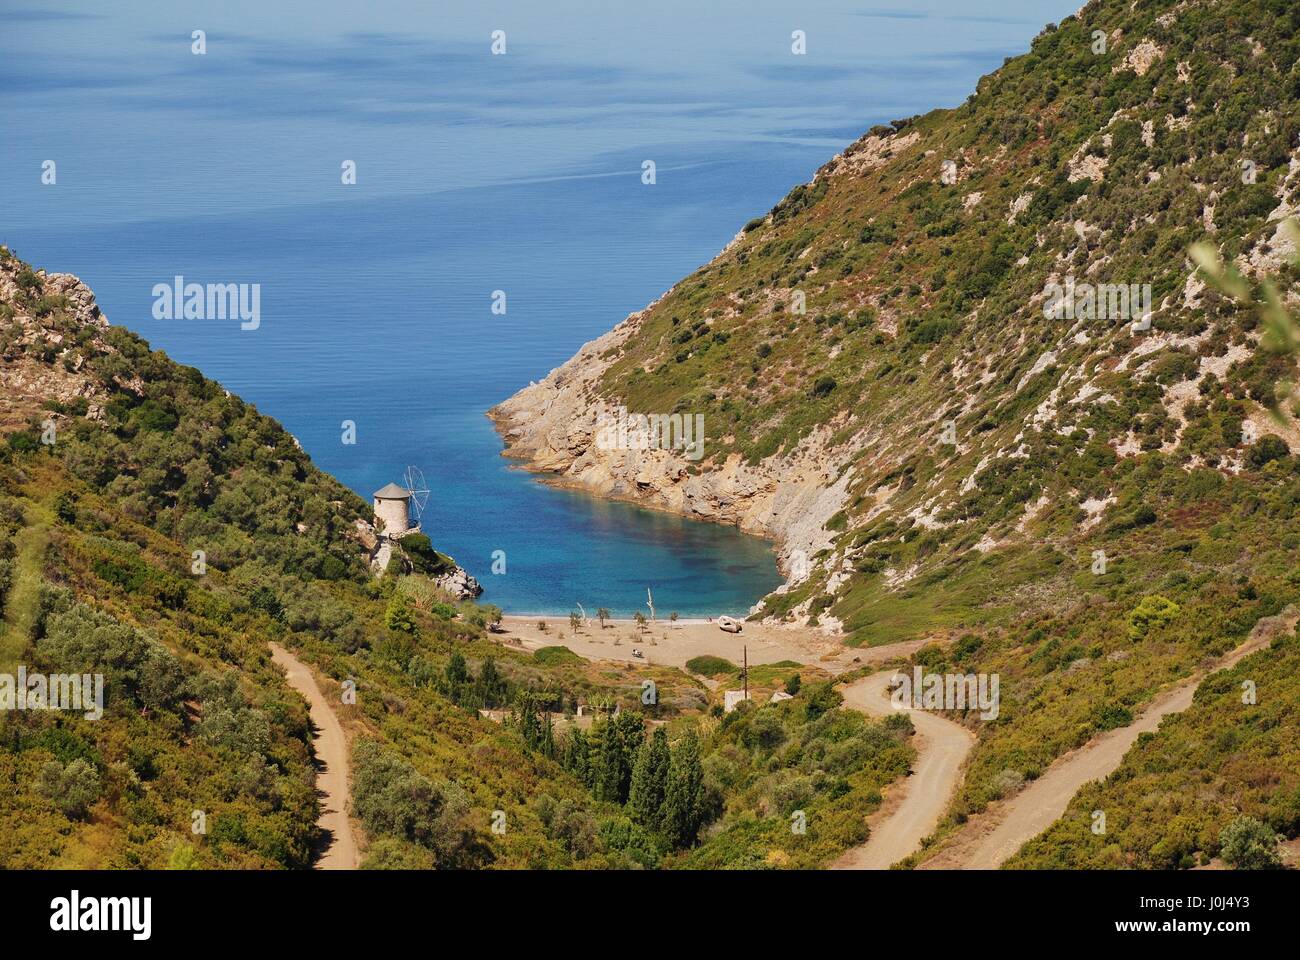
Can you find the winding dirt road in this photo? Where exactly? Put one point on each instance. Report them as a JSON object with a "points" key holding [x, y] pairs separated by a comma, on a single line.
{"points": [[914, 808], [990, 839], [332, 761]]}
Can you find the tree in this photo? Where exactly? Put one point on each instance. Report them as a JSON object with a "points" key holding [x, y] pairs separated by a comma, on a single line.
{"points": [[602, 615], [546, 741], [792, 685], [649, 779], [639, 617], [491, 685], [390, 797], [575, 621], [456, 677], [575, 756], [535, 725], [136, 668], [398, 615], [1249, 844], [602, 761], [680, 815], [73, 787], [614, 744]]}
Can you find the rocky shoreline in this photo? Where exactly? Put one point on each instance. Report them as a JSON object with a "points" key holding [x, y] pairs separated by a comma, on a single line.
{"points": [[550, 427]]}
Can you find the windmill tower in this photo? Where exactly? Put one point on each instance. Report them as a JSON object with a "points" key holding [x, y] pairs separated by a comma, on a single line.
{"points": [[395, 504]]}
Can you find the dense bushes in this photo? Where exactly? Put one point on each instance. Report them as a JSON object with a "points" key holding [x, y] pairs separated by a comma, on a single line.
{"points": [[423, 558], [1221, 778], [395, 802], [791, 784], [138, 672]]}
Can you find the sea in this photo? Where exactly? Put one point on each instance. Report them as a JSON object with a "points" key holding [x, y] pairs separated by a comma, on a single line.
{"points": [[387, 173]]}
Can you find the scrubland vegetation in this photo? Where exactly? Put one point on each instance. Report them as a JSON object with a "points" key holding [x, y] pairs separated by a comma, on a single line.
{"points": [[1105, 524]]}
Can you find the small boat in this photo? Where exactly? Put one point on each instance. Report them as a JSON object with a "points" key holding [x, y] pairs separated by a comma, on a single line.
{"points": [[729, 624]]}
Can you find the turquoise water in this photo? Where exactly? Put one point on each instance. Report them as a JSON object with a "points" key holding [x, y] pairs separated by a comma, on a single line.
{"points": [[476, 173]]}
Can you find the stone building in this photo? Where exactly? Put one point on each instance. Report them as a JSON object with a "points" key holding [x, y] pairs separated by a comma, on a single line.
{"points": [[393, 510]]}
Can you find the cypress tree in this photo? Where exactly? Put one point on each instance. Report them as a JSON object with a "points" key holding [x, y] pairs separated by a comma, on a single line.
{"points": [[492, 686], [680, 820], [649, 779], [576, 747], [606, 758], [456, 678], [630, 727], [614, 743], [547, 745]]}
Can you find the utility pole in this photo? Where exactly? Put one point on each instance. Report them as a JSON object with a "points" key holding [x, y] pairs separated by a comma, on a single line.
{"points": [[744, 673]]}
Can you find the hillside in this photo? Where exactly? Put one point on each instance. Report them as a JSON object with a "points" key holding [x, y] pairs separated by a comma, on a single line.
{"points": [[150, 463], [170, 533], [1090, 499], [1094, 504]]}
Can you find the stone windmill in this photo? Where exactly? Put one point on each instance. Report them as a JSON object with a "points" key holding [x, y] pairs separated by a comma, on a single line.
{"points": [[394, 505]]}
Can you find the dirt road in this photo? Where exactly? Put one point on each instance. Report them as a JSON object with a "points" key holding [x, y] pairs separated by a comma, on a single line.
{"points": [[913, 808], [331, 746], [988, 840]]}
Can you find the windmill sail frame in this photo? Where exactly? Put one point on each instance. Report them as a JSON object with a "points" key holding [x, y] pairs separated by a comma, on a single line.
{"points": [[413, 480]]}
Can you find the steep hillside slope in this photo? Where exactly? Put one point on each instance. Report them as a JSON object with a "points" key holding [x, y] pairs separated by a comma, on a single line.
{"points": [[881, 390], [931, 374], [164, 534], [1234, 753], [158, 531]]}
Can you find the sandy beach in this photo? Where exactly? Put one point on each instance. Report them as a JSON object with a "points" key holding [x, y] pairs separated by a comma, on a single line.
{"points": [[672, 644]]}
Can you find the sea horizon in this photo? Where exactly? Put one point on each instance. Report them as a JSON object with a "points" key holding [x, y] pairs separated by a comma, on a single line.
{"points": [[377, 296]]}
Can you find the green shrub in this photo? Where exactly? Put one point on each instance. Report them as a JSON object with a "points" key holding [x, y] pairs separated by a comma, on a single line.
{"points": [[72, 787], [1151, 611], [556, 656], [424, 559], [711, 666], [823, 386], [1248, 844], [391, 798], [1265, 450]]}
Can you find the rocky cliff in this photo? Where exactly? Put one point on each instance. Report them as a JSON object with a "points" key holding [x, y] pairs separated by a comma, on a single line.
{"points": [[553, 425], [968, 330], [28, 383]]}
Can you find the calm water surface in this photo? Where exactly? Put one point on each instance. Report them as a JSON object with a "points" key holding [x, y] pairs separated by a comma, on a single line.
{"points": [[476, 173]]}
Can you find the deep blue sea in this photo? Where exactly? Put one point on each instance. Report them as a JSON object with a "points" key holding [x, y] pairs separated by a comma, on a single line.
{"points": [[475, 173]]}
